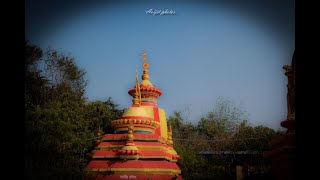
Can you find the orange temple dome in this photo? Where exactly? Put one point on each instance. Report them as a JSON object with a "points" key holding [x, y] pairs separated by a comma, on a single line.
{"points": [[149, 92], [141, 146]]}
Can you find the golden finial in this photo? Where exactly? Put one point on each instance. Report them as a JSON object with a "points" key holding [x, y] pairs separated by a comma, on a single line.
{"points": [[169, 141], [137, 94], [144, 56], [130, 133], [136, 98], [146, 64], [145, 75]]}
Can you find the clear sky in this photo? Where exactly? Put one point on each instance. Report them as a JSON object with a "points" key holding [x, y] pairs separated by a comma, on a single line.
{"points": [[206, 50]]}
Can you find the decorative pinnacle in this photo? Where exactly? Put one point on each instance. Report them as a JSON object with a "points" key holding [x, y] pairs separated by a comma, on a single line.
{"points": [[130, 133], [169, 141], [144, 56], [137, 94], [146, 64], [145, 75], [136, 98]]}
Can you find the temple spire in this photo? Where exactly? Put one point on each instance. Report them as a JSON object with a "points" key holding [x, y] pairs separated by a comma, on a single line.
{"points": [[137, 95], [145, 66], [169, 141]]}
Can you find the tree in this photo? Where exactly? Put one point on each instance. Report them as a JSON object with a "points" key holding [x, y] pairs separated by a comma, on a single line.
{"points": [[65, 77], [223, 119], [101, 114], [59, 122], [35, 84], [176, 120], [223, 130], [55, 124], [187, 142]]}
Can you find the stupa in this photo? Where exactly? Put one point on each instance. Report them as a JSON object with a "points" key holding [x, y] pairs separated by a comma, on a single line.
{"points": [[141, 146]]}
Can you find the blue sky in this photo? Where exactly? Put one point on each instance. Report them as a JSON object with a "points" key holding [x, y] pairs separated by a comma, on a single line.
{"points": [[206, 50]]}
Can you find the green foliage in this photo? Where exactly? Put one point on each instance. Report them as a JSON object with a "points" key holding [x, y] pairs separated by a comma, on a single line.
{"points": [[192, 165], [176, 120], [223, 119], [254, 138], [59, 122], [101, 114], [66, 79], [222, 130]]}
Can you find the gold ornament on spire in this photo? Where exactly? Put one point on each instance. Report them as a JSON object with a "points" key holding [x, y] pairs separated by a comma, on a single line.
{"points": [[144, 56], [169, 141], [146, 64], [130, 133], [136, 98], [137, 94]]}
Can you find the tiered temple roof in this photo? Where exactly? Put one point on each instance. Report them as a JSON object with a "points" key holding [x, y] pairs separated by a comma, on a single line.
{"points": [[142, 146]]}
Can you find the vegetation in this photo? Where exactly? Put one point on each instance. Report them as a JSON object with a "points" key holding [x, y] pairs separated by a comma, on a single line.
{"points": [[61, 125], [209, 148]]}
